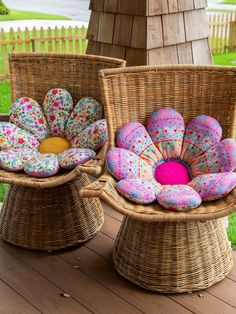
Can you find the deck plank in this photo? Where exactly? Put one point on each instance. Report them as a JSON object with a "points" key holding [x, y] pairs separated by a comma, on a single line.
{"points": [[83, 288], [12, 303], [40, 292], [7, 261], [32, 282], [232, 274], [225, 291], [103, 271]]}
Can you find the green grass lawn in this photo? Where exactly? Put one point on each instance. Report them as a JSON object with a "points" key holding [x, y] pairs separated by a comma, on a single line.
{"points": [[228, 1], [25, 15]]}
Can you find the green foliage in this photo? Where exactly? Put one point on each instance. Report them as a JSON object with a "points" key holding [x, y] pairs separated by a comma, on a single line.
{"points": [[231, 230], [228, 58], [5, 96], [3, 9], [3, 190], [228, 1], [25, 15]]}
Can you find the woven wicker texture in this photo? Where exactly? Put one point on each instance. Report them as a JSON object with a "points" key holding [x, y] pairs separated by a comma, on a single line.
{"points": [[50, 219], [49, 214], [132, 94], [34, 74], [172, 257]]}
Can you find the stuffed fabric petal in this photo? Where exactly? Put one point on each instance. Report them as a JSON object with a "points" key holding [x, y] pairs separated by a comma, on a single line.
{"points": [[166, 128], [201, 133], [87, 111], [14, 160], [74, 157], [28, 115], [219, 158], [179, 197], [124, 164], [141, 191], [214, 186], [58, 106], [93, 137], [135, 138], [42, 166], [13, 137]]}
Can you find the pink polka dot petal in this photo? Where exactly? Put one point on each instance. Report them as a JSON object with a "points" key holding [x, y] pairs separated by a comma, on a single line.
{"points": [[179, 198], [214, 186], [166, 128], [123, 164], [141, 191], [220, 157], [135, 138], [201, 133]]}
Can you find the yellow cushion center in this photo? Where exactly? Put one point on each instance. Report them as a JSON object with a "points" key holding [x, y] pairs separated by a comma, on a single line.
{"points": [[54, 145]]}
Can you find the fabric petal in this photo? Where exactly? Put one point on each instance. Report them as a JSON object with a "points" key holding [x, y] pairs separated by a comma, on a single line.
{"points": [[166, 128], [135, 138], [141, 191], [179, 197], [58, 106], [15, 159], [73, 157], [218, 158], [214, 186], [13, 137], [93, 137], [28, 115], [201, 133], [86, 112], [42, 166], [123, 164]]}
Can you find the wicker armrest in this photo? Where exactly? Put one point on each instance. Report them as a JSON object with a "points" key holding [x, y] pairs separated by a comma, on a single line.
{"points": [[105, 189]]}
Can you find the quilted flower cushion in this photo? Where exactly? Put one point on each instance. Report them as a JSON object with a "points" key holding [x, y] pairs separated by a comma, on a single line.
{"points": [[175, 166], [42, 139]]}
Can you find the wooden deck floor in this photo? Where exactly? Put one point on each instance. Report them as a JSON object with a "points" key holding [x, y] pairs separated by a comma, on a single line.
{"points": [[32, 282]]}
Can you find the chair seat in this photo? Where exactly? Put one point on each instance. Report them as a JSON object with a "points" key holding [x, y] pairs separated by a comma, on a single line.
{"points": [[105, 189]]}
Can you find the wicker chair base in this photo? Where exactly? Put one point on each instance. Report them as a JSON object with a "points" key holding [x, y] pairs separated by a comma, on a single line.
{"points": [[52, 218], [172, 257]]}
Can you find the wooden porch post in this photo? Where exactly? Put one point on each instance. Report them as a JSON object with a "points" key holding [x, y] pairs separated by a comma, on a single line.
{"points": [[150, 31]]}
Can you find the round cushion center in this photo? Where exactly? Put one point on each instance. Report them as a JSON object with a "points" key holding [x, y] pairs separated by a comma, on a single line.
{"points": [[54, 145], [171, 173]]}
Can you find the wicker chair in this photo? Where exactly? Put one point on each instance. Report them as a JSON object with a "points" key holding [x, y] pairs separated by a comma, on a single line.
{"points": [[157, 249], [49, 214]]}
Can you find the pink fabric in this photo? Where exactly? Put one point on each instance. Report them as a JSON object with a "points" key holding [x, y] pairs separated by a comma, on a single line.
{"points": [[141, 191], [134, 137], [171, 173]]}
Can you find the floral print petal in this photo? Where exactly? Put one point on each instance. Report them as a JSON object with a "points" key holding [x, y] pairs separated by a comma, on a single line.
{"points": [[13, 137], [15, 159], [93, 137], [179, 197], [74, 157], [124, 164], [42, 166], [58, 106], [134, 137], [166, 128], [141, 191], [28, 115], [219, 158], [214, 186], [201, 133], [86, 112]]}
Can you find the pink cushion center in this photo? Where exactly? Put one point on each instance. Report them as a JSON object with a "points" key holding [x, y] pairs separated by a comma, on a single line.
{"points": [[171, 173]]}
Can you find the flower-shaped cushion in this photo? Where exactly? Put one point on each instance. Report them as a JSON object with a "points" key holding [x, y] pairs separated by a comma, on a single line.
{"points": [[175, 166], [42, 139]]}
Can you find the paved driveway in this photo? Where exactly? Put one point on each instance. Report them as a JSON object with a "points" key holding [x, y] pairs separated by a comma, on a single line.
{"points": [[75, 9]]}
